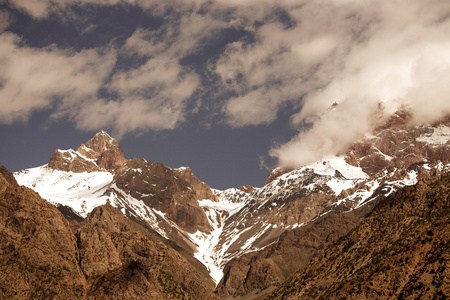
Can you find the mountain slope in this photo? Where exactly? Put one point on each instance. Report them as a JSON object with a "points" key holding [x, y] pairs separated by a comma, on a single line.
{"points": [[399, 251], [38, 252], [214, 227], [257, 273], [119, 255], [108, 256]]}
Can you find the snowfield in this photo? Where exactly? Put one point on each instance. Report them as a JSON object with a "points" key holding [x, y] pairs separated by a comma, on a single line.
{"points": [[440, 136], [81, 191], [238, 226]]}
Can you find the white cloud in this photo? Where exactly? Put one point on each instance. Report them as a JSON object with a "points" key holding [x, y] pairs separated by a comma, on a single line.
{"points": [[4, 20], [35, 79], [306, 53], [151, 96], [358, 53], [36, 8]]}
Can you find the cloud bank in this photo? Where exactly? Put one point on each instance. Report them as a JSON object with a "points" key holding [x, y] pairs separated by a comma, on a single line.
{"points": [[301, 54]]}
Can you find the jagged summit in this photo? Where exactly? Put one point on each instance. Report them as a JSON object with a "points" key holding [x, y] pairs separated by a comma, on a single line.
{"points": [[215, 227], [101, 152], [105, 149], [98, 173], [99, 143], [398, 144]]}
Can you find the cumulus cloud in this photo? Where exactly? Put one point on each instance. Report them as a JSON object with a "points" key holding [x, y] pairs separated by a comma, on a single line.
{"points": [[36, 79], [357, 53], [301, 54], [4, 20], [152, 95]]}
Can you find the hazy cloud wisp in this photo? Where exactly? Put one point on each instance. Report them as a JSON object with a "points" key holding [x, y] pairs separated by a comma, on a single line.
{"points": [[308, 54]]}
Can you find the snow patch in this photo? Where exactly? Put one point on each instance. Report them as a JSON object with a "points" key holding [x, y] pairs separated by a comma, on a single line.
{"points": [[440, 136], [338, 185], [81, 191], [329, 166]]}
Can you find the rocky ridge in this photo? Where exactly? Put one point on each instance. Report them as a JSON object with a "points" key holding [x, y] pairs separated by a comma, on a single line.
{"points": [[100, 153], [399, 251], [296, 199], [202, 190], [239, 222], [159, 188], [105, 256], [38, 252]]}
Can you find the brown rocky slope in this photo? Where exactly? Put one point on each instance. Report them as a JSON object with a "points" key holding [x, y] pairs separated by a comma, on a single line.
{"points": [[38, 252], [394, 149], [254, 274], [122, 260], [107, 257], [399, 251]]}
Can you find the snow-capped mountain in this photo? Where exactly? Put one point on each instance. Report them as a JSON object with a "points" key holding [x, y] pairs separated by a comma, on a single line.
{"points": [[217, 226]]}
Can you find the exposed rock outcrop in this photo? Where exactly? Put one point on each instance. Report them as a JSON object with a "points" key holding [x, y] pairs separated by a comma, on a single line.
{"points": [[274, 173], [399, 251], [38, 252], [160, 188], [202, 190], [107, 256], [247, 188], [102, 152]]}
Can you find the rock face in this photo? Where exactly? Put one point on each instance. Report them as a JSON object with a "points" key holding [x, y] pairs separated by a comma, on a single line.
{"points": [[106, 256], [202, 190], [102, 152], [396, 154], [247, 188], [262, 271], [160, 187], [122, 260], [274, 173], [399, 251], [398, 144], [38, 252]]}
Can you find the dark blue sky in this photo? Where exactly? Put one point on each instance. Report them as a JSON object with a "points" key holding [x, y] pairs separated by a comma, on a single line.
{"points": [[228, 88], [219, 154]]}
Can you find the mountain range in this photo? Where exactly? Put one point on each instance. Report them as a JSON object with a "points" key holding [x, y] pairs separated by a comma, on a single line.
{"points": [[365, 223]]}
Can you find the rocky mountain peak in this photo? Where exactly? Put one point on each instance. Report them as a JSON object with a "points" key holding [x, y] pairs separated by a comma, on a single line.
{"points": [[101, 152], [275, 173], [8, 177], [202, 190], [246, 188], [398, 144], [159, 187], [98, 144]]}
